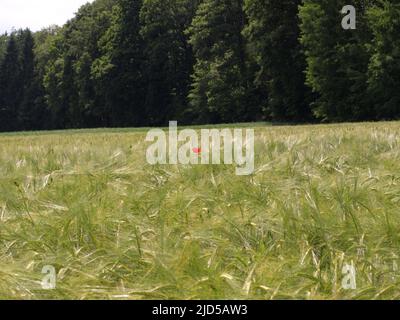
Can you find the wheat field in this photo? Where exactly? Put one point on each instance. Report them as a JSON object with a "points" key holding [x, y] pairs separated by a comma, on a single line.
{"points": [[86, 202]]}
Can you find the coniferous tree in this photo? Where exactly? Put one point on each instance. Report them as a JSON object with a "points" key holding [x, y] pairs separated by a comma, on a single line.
{"points": [[10, 77], [144, 62], [337, 60], [26, 116], [273, 33], [384, 67], [3, 45], [220, 78], [169, 58], [119, 70]]}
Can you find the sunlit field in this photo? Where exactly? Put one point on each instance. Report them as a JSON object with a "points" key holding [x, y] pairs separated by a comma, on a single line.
{"points": [[114, 227]]}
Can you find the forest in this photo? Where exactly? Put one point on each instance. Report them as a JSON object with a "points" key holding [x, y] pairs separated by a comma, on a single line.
{"points": [[135, 63]]}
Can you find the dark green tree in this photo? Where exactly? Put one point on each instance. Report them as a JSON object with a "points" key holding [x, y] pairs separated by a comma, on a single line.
{"points": [[44, 40], [384, 67], [58, 70], [26, 110], [273, 34], [169, 58], [119, 70], [70, 84], [220, 79], [337, 60], [3, 45], [10, 87]]}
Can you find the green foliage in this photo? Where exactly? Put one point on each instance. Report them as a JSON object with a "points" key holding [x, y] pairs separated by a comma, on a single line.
{"points": [[220, 79], [169, 58], [122, 80], [122, 63], [10, 86], [273, 34], [337, 60], [3, 45], [27, 112], [384, 67], [72, 93]]}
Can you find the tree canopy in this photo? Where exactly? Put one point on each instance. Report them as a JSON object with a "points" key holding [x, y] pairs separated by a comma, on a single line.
{"points": [[121, 63]]}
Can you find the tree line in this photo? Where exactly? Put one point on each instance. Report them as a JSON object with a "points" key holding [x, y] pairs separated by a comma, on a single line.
{"points": [[121, 63]]}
